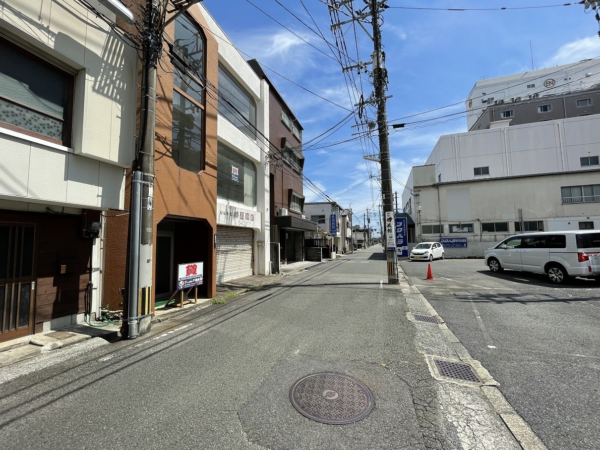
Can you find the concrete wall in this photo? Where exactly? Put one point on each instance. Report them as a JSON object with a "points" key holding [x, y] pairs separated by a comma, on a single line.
{"points": [[546, 147]]}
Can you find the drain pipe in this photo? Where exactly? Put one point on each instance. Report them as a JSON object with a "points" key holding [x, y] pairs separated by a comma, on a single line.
{"points": [[134, 255]]}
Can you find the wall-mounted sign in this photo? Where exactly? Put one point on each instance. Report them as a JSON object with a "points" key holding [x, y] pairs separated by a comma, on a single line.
{"points": [[190, 275], [454, 242], [401, 237], [333, 224], [549, 83], [235, 174], [390, 231], [238, 217]]}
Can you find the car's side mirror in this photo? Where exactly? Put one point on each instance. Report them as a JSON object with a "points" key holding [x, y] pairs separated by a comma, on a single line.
{"points": [[503, 246]]}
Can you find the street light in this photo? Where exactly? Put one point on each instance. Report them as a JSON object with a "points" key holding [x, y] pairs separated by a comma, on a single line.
{"points": [[372, 158]]}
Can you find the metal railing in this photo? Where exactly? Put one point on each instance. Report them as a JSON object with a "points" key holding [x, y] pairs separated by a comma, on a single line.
{"points": [[582, 199]]}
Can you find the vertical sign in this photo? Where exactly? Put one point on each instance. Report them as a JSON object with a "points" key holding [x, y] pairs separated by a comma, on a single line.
{"points": [[390, 231], [235, 174], [333, 225], [401, 237]]}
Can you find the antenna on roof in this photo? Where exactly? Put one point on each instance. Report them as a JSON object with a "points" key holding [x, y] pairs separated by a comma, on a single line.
{"points": [[531, 51]]}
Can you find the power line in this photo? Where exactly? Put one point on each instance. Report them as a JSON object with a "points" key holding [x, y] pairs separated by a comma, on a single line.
{"points": [[503, 8]]}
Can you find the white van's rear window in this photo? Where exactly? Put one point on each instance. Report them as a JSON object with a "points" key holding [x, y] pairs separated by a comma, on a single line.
{"points": [[588, 240]]}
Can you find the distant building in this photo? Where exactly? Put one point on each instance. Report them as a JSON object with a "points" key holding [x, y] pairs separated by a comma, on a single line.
{"points": [[540, 174], [326, 213]]}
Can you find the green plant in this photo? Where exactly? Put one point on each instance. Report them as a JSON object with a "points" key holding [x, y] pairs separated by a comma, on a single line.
{"points": [[230, 295], [255, 288], [218, 301]]}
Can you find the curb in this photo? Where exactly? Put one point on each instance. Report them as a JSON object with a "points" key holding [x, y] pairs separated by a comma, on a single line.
{"points": [[521, 431]]}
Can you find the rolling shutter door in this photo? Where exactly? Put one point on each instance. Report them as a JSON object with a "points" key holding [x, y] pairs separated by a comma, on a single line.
{"points": [[234, 253]]}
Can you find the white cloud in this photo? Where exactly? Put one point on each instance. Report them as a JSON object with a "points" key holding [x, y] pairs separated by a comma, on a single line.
{"points": [[588, 47], [396, 31]]}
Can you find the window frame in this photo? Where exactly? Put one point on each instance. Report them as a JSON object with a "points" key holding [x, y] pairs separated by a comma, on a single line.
{"points": [[586, 224], [495, 226], [530, 86], [461, 225], [300, 202], [589, 161], [595, 197], [539, 225], [541, 111], [179, 66], [67, 121], [220, 152], [481, 171], [588, 100], [247, 123], [431, 229], [506, 115]]}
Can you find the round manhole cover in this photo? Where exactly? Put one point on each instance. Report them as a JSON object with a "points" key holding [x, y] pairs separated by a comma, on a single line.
{"points": [[331, 398]]}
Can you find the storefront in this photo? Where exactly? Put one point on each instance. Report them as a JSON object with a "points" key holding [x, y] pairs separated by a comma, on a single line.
{"points": [[292, 230]]}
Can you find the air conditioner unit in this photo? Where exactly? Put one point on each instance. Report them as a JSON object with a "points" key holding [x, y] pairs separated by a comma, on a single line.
{"points": [[283, 212], [303, 216]]}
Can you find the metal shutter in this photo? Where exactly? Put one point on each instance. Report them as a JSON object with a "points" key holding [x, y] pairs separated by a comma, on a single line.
{"points": [[234, 253]]}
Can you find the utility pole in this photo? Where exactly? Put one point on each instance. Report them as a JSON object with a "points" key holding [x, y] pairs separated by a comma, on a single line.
{"points": [[380, 81], [396, 195], [141, 244]]}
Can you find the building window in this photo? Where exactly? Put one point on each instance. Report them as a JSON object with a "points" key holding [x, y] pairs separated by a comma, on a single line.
{"points": [[536, 225], [292, 158], [529, 86], [544, 108], [35, 96], [297, 203], [461, 228], [589, 161], [580, 194], [507, 114], [286, 120], [235, 104], [495, 227], [432, 229], [187, 55], [481, 171], [439, 178], [296, 132], [586, 225], [317, 219], [584, 102], [236, 177]]}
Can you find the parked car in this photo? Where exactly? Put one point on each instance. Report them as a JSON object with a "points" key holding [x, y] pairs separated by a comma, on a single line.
{"points": [[427, 251], [558, 254]]}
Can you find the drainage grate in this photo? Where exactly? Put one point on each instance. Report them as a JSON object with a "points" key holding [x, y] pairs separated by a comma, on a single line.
{"points": [[456, 370], [331, 398], [421, 318]]}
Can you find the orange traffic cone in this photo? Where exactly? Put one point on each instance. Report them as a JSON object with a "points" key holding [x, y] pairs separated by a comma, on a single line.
{"points": [[429, 273]]}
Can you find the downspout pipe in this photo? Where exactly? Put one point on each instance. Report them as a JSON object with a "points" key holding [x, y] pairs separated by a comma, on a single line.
{"points": [[134, 255]]}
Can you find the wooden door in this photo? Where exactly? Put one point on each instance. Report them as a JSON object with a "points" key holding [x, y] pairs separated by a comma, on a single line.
{"points": [[16, 280]]}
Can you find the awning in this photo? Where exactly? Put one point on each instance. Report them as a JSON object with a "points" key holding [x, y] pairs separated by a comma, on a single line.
{"points": [[294, 223]]}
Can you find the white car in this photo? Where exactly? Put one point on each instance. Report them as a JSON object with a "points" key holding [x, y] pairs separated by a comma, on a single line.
{"points": [[427, 251], [558, 254]]}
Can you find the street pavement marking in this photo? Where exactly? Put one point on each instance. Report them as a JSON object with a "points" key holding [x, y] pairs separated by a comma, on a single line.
{"points": [[486, 335], [522, 279], [470, 284]]}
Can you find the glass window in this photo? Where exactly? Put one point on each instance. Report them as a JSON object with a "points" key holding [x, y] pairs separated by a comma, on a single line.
{"points": [[544, 108], [461, 228], [558, 241], [481, 170], [35, 96], [286, 120], [235, 104], [534, 242], [536, 225], [292, 158], [507, 114], [586, 225], [236, 177], [588, 240], [187, 133], [584, 102], [589, 161], [317, 219], [423, 246], [297, 133], [580, 194], [529, 86], [297, 203], [188, 96], [495, 227], [512, 243], [432, 229]]}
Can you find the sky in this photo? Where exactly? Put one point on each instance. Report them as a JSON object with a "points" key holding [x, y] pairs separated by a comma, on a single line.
{"points": [[433, 58]]}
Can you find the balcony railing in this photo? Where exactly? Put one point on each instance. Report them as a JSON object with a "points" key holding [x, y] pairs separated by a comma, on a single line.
{"points": [[582, 199]]}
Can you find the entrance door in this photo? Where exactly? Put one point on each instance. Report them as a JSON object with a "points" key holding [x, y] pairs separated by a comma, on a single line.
{"points": [[163, 268], [16, 281]]}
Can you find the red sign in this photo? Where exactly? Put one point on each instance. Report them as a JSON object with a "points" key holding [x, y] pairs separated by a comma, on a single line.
{"points": [[191, 270]]}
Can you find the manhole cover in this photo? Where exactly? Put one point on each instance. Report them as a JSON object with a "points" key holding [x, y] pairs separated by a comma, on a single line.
{"points": [[331, 398], [421, 318], [456, 370]]}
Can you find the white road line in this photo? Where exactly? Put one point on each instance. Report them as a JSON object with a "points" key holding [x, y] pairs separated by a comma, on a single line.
{"points": [[522, 279], [486, 335], [470, 284]]}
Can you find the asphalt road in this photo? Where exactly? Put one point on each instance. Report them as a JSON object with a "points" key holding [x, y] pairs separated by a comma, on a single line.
{"points": [[540, 341], [222, 380]]}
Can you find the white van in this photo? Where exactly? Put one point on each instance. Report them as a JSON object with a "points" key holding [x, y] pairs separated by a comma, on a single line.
{"points": [[559, 254]]}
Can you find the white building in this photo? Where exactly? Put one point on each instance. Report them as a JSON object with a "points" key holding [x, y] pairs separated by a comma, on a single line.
{"points": [[484, 185], [322, 213], [243, 227], [67, 125]]}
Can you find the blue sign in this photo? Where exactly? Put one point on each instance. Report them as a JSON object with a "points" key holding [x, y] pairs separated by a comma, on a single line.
{"points": [[401, 237], [333, 223], [454, 242]]}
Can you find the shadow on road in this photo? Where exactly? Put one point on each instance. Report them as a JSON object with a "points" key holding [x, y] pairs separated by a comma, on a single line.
{"points": [[524, 299], [540, 280], [378, 256]]}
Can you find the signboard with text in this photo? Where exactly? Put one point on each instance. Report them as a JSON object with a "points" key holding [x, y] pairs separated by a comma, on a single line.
{"points": [[190, 275], [390, 231], [401, 237], [333, 222], [454, 242]]}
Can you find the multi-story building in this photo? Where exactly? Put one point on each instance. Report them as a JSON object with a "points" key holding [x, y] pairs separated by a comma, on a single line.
{"points": [[288, 223], [243, 197], [539, 174], [67, 125], [185, 184], [328, 216]]}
